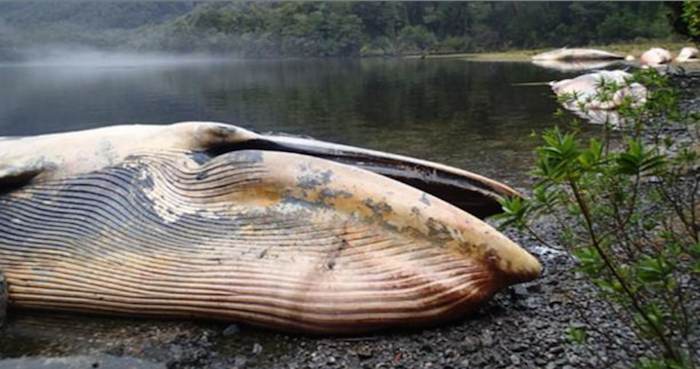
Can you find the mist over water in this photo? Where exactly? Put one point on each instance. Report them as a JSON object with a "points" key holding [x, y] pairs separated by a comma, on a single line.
{"points": [[76, 56]]}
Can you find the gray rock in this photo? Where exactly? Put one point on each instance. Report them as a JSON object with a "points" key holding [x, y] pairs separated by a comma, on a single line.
{"points": [[519, 291], [365, 352], [471, 344], [487, 339], [239, 362], [231, 330], [515, 359]]}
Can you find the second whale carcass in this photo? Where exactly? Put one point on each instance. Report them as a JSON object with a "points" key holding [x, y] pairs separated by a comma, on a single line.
{"points": [[596, 96], [576, 54], [213, 221]]}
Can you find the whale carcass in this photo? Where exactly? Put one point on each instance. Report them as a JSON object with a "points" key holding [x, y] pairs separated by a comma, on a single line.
{"points": [[213, 221], [576, 54], [587, 96], [655, 57], [575, 65]]}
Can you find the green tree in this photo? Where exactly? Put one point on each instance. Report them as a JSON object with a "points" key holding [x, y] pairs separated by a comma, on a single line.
{"points": [[691, 16]]}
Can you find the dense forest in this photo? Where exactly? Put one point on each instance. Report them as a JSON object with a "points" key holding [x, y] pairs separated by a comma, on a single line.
{"points": [[334, 28]]}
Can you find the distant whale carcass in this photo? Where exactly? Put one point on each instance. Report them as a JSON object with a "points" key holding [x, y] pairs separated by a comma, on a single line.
{"points": [[574, 65], [655, 56], [688, 54], [584, 95], [213, 221], [574, 54]]}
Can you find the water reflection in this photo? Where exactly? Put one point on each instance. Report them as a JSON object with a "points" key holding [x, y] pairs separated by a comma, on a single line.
{"points": [[465, 114]]}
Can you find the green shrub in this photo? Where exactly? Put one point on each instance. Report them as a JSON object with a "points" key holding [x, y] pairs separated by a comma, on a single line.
{"points": [[691, 16], [628, 205]]}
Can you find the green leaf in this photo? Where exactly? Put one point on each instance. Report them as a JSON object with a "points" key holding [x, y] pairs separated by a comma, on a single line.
{"points": [[637, 160], [576, 335], [695, 250], [515, 212], [589, 260], [650, 269]]}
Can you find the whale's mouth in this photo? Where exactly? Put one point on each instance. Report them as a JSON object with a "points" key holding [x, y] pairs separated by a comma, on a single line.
{"points": [[59, 155], [470, 192]]}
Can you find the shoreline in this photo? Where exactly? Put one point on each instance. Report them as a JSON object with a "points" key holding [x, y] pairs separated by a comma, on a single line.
{"points": [[23, 56], [525, 55]]}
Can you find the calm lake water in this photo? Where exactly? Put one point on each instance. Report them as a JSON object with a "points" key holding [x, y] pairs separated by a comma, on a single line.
{"points": [[467, 114]]}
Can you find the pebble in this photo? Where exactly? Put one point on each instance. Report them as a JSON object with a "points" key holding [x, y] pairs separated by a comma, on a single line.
{"points": [[364, 353], [487, 339], [239, 361], [515, 359], [519, 291], [556, 350], [471, 344], [231, 330]]}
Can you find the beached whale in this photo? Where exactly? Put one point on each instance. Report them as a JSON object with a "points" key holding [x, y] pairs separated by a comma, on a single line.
{"points": [[213, 221], [583, 95], [584, 89]]}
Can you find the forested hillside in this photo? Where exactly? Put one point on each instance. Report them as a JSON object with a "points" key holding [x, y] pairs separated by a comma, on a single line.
{"points": [[391, 27], [329, 29], [100, 24]]}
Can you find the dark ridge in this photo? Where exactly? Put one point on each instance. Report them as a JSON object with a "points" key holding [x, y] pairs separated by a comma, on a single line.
{"points": [[17, 179]]}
